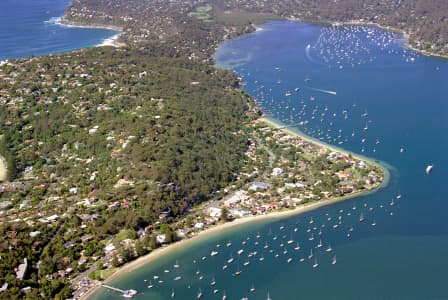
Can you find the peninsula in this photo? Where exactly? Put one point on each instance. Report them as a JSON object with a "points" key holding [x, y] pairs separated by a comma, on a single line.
{"points": [[114, 152]]}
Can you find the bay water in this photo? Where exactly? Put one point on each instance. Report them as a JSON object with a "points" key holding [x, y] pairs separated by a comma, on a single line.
{"points": [[354, 87], [358, 88]]}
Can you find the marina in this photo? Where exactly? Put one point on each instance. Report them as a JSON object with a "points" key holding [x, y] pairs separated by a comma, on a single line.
{"points": [[328, 246]]}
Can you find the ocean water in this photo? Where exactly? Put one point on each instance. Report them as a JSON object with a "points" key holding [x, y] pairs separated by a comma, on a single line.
{"points": [[29, 27], [357, 88]]}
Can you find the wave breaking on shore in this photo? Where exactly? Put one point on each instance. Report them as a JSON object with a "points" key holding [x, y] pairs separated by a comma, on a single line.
{"points": [[110, 41]]}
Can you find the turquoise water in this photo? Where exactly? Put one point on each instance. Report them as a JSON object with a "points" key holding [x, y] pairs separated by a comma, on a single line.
{"points": [[358, 89], [29, 27]]}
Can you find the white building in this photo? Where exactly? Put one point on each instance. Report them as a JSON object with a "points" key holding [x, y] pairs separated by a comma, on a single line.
{"points": [[215, 212], [276, 172], [161, 238]]}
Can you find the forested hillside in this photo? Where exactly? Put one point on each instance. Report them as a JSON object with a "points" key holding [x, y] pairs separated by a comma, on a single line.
{"points": [[426, 22], [109, 138]]}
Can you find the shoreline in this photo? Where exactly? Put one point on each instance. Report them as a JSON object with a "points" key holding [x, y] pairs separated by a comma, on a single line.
{"points": [[3, 169], [111, 41], [280, 126], [406, 36], [154, 255]]}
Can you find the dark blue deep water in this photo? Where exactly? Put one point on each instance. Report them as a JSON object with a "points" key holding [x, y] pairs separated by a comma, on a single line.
{"points": [[357, 88], [28, 27]]}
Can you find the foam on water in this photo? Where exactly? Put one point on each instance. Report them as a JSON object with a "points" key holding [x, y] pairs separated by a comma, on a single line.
{"points": [[34, 28]]}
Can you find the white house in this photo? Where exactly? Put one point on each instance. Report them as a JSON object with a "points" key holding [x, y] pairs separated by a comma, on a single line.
{"points": [[276, 172], [161, 238]]}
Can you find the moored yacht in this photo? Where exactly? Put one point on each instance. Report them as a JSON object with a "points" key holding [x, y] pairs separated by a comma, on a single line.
{"points": [[315, 265], [333, 261]]}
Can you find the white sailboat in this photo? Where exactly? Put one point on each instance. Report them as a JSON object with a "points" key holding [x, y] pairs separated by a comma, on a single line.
{"points": [[150, 285], [315, 265], [238, 272], [361, 217], [311, 254], [199, 295], [176, 265], [311, 237]]}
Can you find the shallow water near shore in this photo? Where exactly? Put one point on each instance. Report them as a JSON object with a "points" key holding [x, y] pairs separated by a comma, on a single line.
{"points": [[368, 95], [31, 28]]}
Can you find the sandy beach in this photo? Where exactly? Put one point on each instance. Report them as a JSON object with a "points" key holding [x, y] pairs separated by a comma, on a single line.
{"points": [[305, 137], [3, 169], [156, 254], [166, 250], [112, 41]]}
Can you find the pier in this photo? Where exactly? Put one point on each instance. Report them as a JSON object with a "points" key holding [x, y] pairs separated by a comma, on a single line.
{"points": [[124, 293]]}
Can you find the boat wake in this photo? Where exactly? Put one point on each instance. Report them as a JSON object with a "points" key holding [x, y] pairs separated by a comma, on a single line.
{"points": [[321, 90]]}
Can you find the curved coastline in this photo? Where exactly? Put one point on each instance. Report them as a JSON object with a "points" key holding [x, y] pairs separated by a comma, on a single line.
{"points": [[64, 22], [112, 41], [382, 165], [166, 250], [406, 36]]}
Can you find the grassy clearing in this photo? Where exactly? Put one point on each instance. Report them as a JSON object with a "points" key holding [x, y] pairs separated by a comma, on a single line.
{"points": [[204, 13], [207, 13], [241, 17], [124, 234], [102, 274]]}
